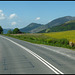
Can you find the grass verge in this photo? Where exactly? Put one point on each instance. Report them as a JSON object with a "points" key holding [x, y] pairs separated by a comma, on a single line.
{"points": [[42, 39]]}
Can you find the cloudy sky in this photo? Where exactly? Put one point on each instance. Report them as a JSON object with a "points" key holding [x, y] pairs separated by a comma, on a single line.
{"points": [[19, 14]]}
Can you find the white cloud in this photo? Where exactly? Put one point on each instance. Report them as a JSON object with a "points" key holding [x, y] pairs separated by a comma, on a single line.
{"points": [[1, 11], [12, 16], [38, 18], [13, 23], [2, 16]]}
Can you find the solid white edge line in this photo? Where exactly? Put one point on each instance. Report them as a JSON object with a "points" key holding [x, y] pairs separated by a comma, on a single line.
{"points": [[53, 50], [57, 52], [37, 56]]}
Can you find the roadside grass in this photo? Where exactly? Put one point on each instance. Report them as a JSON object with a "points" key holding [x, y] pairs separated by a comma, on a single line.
{"points": [[43, 38]]}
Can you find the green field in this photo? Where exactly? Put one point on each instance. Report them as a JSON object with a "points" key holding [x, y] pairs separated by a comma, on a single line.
{"points": [[59, 39], [70, 35]]}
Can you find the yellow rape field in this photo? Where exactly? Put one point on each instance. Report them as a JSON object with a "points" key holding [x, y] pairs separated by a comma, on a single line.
{"points": [[70, 35]]}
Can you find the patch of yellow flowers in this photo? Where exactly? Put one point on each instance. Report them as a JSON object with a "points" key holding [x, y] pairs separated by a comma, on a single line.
{"points": [[70, 35]]}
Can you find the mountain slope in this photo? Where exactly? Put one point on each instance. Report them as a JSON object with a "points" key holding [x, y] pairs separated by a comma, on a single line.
{"points": [[30, 27], [54, 22], [70, 25], [59, 21]]}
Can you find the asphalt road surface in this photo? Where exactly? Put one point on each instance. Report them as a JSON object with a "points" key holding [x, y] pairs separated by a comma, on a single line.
{"points": [[21, 57]]}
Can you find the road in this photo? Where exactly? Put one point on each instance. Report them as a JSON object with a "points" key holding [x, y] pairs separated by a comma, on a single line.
{"points": [[21, 57]]}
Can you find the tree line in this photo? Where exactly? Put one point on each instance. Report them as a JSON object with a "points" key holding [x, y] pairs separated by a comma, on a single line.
{"points": [[14, 31], [1, 30]]}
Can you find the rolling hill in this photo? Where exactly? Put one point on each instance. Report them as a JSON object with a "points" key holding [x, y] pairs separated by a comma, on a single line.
{"points": [[54, 22], [69, 25], [6, 30], [30, 27], [35, 28]]}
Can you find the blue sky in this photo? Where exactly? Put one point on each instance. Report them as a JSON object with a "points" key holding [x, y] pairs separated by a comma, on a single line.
{"points": [[21, 13]]}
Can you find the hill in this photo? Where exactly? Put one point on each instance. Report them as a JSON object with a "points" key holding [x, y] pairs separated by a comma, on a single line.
{"points": [[54, 22], [30, 27], [69, 25], [6, 30]]}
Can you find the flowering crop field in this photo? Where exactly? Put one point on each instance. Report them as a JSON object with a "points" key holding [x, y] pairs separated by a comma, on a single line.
{"points": [[60, 39], [70, 35]]}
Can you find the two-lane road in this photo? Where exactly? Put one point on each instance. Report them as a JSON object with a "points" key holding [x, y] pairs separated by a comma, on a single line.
{"points": [[20, 57]]}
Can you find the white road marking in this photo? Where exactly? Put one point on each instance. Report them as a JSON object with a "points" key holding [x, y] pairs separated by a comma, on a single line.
{"points": [[50, 66], [69, 56], [57, 52]]}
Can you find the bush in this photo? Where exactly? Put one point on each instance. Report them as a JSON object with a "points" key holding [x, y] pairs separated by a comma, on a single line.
{"points": [[32, 38], [63, 41], [49, 40], [16, 31], [9, 31]]}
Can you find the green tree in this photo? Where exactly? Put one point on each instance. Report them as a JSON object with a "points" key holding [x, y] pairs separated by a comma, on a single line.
{"points": [[1, 30], [16, 31], [9, 32]]}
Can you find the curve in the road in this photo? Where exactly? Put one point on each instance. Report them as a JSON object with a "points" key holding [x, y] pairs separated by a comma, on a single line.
{"points": [[50, 66]]}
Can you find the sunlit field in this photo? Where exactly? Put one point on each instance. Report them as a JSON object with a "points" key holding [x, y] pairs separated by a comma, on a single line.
{"points": [[60, 39], [70, 35]]}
